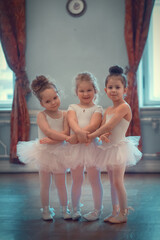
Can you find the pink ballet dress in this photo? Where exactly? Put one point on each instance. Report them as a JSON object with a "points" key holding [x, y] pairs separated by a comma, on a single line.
{"points": [[120, 150], [46, 157], [82, 155]]}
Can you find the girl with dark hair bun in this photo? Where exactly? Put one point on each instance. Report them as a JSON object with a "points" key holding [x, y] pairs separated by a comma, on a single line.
{"points": [[117, 71], [51, 156], [120, 152]]}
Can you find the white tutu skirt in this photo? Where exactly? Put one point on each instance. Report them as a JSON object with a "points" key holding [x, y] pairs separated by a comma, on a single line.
{"points": [[82, 155], [125, 152], [46, 157]]}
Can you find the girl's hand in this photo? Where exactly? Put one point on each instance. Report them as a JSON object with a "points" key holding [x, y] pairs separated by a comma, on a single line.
{"points": [[47, 140], [82, 136], [104, 137], [89, 140], [91, 136], [72, 139]]}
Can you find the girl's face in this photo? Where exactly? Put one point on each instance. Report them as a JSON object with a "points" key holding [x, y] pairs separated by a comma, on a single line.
{"points": [[115, 89], [50, 99], [85, 92]]}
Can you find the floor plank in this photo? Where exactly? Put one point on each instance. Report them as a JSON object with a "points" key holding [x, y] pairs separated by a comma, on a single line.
{"points": [[20, 217]]}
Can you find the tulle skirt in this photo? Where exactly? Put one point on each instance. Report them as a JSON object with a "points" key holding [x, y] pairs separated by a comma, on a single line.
{"points": [[46, 157], [124, 152], [83, 155]]}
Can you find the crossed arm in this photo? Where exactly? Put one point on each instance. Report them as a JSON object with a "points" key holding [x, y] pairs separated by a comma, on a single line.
{"points": [[81, 134], [122, 111], [53, 136]]}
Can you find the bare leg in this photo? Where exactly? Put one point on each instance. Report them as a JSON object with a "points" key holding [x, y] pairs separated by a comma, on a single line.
{"points": [[118, 182], [114, 197]]}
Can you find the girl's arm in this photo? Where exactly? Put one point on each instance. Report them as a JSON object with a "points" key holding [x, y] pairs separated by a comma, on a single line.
{"points": [[47, 140], [120, 112], [104, 137], [65, 124], [95, 122], [45, 128], [73, 123], [104, 118], [73, 139]]}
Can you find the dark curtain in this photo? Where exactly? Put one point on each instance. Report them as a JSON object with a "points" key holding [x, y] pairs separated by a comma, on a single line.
{"points": [[137, 19], [13, 40]]}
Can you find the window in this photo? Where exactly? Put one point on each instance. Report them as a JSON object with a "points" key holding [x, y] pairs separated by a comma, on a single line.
{"points": [[6, 82], [149, 69]]}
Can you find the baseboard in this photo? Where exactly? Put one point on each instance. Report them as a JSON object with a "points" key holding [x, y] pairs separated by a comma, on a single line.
{"points": [[144, 166], [7, 167]]}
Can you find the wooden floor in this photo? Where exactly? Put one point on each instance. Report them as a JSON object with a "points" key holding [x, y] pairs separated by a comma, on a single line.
{"points": [[20, 217]]}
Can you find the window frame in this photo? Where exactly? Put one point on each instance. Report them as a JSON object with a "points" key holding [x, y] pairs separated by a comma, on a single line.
{"points": [[7, 104], [145, 72]]}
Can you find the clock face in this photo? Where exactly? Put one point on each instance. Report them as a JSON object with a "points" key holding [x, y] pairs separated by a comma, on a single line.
{"points": [[76, 8]]}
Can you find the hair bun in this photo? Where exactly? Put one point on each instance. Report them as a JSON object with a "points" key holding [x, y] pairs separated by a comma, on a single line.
{"points": [[42, 80], [39, 83], [115, 70]]}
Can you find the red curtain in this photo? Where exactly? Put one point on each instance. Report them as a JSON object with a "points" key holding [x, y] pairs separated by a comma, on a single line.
{"points": [[13, 39], [137, 19]]}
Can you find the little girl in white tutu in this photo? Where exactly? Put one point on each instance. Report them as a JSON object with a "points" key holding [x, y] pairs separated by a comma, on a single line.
{"points": [[84, 117], [50, 159], [121, 151]]}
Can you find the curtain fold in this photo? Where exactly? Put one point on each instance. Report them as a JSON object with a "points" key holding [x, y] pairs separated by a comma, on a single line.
{"points": [[13, 40], [137, 19]]}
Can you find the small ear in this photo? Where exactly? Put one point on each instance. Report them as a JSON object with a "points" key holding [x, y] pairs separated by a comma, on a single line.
{"points": [[125, 90], [105, 89]]}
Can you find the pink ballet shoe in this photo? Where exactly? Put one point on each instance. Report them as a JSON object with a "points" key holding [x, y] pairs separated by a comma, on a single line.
{"points": [[114, 213], [121, 217], [106, 219]]}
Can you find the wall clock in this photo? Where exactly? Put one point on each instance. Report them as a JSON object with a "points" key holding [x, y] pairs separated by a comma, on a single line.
{"points": [[76, 8]]}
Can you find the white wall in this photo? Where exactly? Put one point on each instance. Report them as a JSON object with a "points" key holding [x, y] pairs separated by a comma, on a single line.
{"points": [[60, 46]]}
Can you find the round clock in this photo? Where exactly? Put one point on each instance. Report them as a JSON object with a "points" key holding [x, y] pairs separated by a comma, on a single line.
{"points": [[76, 8]]}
